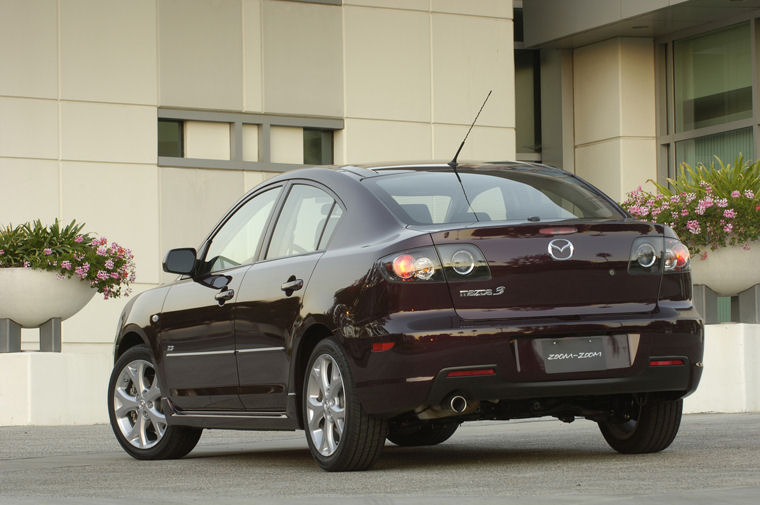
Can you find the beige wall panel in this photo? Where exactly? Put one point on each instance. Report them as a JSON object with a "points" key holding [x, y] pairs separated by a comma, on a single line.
{"points": [[491, 8], [422, 5], [95, 323], [387, 64], [207, 140], [107, 132], [29, 190], [339, 147], [119, 202], [637, 87], [596, 85], [252, 65], [250, 142], [470, 57], [380, 141], [303, 59], [601, 165], [200, 54], [192, 202], [483, 144], [639, 163], [28, 128], [108, 51], [253, 179], [286, 144], [29, 48]]}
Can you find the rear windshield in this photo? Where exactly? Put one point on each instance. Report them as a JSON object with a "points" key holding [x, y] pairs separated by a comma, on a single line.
{"points": [[422, 198]]}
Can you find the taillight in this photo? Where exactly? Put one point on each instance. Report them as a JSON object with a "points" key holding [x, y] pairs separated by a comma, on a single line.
{"points": [[420, 264], [677, 256]]}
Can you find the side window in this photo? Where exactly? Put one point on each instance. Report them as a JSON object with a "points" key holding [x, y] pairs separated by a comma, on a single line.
{"points": [[235, 243], [301, 226]]}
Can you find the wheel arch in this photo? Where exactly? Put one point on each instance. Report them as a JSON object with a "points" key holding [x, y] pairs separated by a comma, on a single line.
{"points": [[306, 344], [130, 337]]}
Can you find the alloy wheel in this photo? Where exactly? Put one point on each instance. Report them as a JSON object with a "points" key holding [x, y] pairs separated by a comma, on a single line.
{"points": [[137, 405], [326, 405]]}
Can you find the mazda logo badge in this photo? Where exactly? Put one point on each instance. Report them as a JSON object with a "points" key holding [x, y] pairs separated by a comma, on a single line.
{"points": [[561, 249]]}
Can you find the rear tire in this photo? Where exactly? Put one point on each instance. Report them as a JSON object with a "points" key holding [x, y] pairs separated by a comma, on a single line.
{"points": [[341, 435], [135, 410], [652, 427], [425, 433]]}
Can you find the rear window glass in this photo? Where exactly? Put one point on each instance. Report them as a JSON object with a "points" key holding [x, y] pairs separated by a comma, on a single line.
{"points": [[422, 198]]}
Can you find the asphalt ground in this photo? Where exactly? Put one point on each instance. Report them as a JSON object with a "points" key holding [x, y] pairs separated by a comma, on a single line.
{"points": [[715, 459]]}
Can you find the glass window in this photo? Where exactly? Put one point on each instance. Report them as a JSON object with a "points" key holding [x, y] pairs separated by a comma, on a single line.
{"points": [[237, 241], [726, 146], [170, 138], [317, 147], [499, 195], [332, 222], [301, 223], [713, 78]]}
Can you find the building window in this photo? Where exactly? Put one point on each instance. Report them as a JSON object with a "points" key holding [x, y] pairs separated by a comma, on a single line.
{"points": [[707, 98], [528, 104], [242, 141], [170, 138], [317, 147]]}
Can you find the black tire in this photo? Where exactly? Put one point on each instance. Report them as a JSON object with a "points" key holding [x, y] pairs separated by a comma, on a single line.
{"points": [[652, 427], [140, 412], [332, 413], [424, 433]]}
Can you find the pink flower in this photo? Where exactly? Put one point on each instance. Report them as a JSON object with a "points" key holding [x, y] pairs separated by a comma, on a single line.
{"points": [[693, 226], [723, 202], [109, 264], [101, 251], [27, 264], [728, 228], [729, 213], [103, 241], [684, 212], [86, 267], [735, 194], [78, 239], [102, 275], [66, 265], [114, 275], [47, 251], [2, 251], [749, 193], [700, 210]]}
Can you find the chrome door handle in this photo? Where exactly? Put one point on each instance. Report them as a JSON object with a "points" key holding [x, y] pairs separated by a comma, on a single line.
{"points": [[291, 285], [225, 295]]}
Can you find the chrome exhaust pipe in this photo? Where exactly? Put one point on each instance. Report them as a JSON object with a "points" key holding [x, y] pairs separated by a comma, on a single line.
{"points": [[458, 403]]}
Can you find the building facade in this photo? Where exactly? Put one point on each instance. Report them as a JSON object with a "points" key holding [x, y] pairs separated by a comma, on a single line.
{"points": [[148, 119]]}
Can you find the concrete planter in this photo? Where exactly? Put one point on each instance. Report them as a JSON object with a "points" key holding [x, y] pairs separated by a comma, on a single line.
{"points": [[729, 270], [31, 297]]}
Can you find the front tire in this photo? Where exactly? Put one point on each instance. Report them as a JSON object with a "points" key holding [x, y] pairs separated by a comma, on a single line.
{"points": [[340, 434], [652, 427], [135, 410]]}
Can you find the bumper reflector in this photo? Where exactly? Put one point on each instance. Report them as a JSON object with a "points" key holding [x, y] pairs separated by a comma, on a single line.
{"points": [[382, 346], [666, 362], [471, 373]]}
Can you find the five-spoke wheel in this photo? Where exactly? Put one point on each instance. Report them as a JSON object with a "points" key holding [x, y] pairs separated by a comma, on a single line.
{"points": [[136, 414]]}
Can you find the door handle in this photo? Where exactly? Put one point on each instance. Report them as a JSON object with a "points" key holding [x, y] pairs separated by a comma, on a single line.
{"points": [[291, 285], [225, 295]]}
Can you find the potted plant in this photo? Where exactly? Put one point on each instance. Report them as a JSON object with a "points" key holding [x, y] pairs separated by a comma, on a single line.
{"points": [[53, 271], [716, 212]]}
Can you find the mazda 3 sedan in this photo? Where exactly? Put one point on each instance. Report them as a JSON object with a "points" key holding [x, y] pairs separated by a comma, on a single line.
{"points": [[365, 303]]}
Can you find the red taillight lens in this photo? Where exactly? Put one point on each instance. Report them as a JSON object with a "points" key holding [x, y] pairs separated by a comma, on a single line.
{"points": [[666, 362], [382, 346], [403, 266], [472, 373], [558, 230], [677, 256]]}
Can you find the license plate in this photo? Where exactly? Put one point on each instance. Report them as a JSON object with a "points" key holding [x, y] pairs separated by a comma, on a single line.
{"points": [[573, 354]]}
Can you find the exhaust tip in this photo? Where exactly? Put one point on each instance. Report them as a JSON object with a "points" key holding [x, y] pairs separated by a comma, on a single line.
{"points": [[458, 404]]}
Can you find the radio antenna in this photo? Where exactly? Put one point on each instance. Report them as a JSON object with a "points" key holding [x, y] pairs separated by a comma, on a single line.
{"points": [[453, 162]]}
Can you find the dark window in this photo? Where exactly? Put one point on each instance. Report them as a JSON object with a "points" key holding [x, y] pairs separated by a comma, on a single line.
{"points": [[510, 195], [301, 224], [170, 138], [518, 24], [317, 146], [528, 101], [237, 240]]}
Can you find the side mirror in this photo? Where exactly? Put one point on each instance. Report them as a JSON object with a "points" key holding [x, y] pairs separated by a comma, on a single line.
{"points": [[180, 261]]}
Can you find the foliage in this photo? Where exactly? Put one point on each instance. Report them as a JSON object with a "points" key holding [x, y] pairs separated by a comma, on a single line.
{"points": [[66, 250], [706, 206]]}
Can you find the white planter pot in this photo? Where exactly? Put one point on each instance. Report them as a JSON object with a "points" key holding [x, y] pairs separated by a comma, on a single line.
{"points": [[31, 297], [729, 270]]}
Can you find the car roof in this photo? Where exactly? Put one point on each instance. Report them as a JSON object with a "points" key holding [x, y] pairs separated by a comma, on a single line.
{"points": [[378, 169]]}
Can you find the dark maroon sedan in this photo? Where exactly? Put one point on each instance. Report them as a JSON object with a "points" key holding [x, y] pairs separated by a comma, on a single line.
{"points": [[374, 302]]}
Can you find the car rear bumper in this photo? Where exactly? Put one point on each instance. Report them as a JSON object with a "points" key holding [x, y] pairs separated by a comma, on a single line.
{"points": [[415, 372]]}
